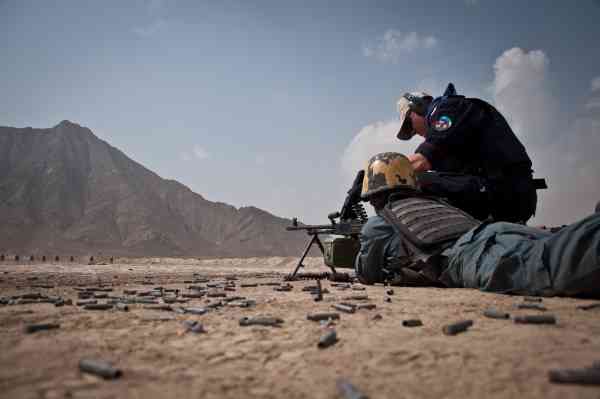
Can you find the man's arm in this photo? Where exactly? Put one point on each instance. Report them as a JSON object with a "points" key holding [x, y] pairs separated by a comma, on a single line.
{"points": [[452, 125], [377, 236], [419, 162]]}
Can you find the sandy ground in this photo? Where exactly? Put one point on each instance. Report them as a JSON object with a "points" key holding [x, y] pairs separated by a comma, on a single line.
{"points": [[493, 359]]}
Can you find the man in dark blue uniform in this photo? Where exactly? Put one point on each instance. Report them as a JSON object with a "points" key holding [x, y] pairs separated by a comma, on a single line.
{"points": [[470, 156], [420, 240]]}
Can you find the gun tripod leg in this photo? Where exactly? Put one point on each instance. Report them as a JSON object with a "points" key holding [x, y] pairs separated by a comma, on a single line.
{"points": [[314, 239]]}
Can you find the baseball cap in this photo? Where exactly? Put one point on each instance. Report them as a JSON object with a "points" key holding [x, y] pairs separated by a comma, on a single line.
{"points": [[416, 102]]}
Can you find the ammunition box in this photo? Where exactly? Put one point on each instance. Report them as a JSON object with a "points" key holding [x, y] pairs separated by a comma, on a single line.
{"points": [[340, 251]]}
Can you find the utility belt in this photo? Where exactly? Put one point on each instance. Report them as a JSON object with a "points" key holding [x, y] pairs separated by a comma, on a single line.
{"points": [[519, 171]]}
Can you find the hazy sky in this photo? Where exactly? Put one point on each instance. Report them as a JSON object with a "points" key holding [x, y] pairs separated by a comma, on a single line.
{"points": [[277, 103]]}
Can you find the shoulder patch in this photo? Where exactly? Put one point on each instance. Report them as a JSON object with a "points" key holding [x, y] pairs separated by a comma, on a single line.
{"points": [[442, 123]]}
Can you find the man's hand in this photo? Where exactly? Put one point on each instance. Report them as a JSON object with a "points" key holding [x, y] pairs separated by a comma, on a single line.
{"points": [[419, 162]]}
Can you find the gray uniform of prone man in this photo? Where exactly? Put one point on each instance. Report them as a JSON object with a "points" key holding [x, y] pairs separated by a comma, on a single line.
{"points": [[416, 239]]}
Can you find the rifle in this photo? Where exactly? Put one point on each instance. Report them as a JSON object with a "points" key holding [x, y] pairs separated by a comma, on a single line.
{"points": [[347, 222]]}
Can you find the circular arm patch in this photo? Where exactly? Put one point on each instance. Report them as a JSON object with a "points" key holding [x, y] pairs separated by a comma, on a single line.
{"points": [[442, 123]]}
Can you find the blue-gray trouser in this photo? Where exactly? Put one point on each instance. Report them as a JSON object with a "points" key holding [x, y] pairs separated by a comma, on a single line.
{"points": [[512, 258]]}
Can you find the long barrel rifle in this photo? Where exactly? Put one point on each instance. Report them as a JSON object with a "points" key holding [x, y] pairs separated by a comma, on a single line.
{"points": [[348, 222]]}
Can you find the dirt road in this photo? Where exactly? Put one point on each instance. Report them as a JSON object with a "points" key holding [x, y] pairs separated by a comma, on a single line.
{"points": [[493, 359]]}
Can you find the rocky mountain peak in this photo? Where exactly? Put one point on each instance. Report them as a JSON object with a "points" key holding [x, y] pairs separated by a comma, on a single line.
{"points": [[67, 191]]}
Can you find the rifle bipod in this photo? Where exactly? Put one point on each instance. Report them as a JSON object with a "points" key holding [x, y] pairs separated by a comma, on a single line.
{"points": [[315, 239]]}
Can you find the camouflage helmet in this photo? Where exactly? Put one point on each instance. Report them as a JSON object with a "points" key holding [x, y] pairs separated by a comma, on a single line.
{"points": [[388, 171]]}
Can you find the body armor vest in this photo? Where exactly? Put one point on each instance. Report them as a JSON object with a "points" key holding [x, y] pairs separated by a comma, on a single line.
{"points": [[427, 226], [428, 222]]}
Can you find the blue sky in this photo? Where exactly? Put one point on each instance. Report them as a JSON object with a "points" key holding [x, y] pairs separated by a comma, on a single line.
{"points": [[276, 104]]}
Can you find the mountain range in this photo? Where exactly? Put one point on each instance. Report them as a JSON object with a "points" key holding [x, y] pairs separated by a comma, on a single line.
{"points": [[65, 191]]}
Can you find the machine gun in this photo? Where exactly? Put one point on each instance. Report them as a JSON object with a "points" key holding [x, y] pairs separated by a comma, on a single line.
{"points": [[339, 251]]}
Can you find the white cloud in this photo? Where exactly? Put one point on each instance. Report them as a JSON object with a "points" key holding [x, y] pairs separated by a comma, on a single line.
{"points": [[260, 159], [151, 29], [563, 154], [520, 91], [370, 140], [200, 153], [197, 153], [593, 104], [595, 83], [393, 43]]}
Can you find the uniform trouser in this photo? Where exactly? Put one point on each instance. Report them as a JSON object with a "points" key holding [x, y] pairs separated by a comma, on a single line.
{"points": [[511, 258], [511, 199]]}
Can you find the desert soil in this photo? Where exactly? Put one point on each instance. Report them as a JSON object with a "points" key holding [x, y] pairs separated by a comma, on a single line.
{"points": [[493, 359]]}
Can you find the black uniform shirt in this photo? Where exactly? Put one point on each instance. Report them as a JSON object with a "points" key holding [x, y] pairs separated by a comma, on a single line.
{"points": [[468, 135]]}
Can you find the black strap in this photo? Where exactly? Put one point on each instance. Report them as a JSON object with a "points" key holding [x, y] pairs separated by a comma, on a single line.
{"points": [[540, 184]]}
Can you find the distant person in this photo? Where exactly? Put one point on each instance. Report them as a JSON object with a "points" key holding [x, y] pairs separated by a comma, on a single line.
{"points": [[470, 156], [420, 240]]}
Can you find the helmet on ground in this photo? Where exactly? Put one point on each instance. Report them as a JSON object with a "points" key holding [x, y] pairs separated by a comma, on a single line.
{"points": [[416, 102], [388, 171]]}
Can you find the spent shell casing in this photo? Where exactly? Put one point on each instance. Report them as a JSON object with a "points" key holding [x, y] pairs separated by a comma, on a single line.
{"points": [[532, 299], [146, 301], [32, 328], [496, 314], [233, 299], [589, 306], [536, 319], [193, 295], [458, 327], [327, 339], [165, 307], [194, 326], [99, 368], [261, 321], [344, 308], [586, 376], [86, 302], [123, 307], [195, 310], [98, 306], [323, 316], [412, 323], [349, 391], [319, 292]]}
